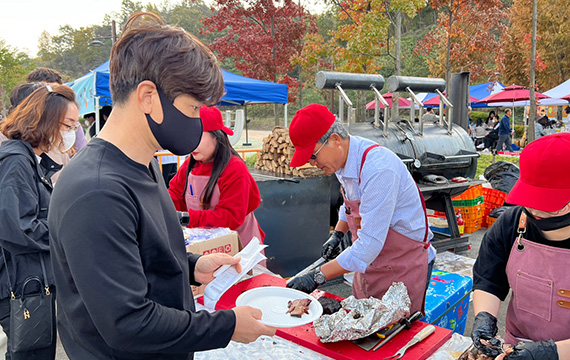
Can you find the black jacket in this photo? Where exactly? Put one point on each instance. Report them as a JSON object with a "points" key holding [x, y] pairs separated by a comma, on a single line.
{"points": [[24, 198]]}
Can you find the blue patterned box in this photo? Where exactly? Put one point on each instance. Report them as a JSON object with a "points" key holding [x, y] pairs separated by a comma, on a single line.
{"points": [[447, 300]]}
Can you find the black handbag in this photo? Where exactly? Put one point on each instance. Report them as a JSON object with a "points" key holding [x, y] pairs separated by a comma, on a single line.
{"points": [[31, 315]]}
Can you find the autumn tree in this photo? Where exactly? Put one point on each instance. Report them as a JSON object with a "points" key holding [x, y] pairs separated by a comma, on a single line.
{"points": [[469, 36], [261, 36], [553, 43], [362, 41], [14, 66]]}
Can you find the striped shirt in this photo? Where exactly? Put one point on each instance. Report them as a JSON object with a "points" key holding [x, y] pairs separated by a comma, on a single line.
{"points": [[389, 199]]}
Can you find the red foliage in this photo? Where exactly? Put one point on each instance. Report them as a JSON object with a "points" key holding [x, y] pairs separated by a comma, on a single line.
{"points": [[259, 36]]}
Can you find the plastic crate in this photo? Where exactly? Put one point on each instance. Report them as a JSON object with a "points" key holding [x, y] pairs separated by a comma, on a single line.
{"points": [[470, 212], [472, 226], [473, 202], [493, 198], [473, 192]]}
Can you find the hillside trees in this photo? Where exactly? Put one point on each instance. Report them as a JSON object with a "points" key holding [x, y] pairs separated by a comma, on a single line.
{"points": [[14, 66], [553, 57], [469, 36]]}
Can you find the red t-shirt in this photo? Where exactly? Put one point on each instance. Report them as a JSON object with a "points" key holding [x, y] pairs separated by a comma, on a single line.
{"points": [[239, 195]]}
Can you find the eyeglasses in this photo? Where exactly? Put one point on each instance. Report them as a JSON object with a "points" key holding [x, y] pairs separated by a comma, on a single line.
{"points": [[70, 127], [314, 156]]}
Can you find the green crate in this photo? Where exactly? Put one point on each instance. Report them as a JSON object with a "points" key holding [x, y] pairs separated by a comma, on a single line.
{"points": [[474, 202]]}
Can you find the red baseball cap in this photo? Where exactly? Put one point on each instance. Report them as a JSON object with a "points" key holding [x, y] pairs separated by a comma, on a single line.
{"points": [[544, 182], [308, 125], [212, 120]]}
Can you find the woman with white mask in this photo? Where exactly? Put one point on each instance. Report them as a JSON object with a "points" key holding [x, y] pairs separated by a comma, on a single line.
{"points": [[45, 121]]}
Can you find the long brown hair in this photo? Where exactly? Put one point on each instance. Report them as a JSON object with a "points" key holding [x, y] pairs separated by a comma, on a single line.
{"points": [[222, 156], [37, 120]]}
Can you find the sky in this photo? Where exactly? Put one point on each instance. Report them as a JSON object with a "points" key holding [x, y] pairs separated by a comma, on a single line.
{"points": [[23, 21]]}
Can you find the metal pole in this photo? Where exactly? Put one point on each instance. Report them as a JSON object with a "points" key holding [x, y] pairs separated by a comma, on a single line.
{"points": [[246, 143], [285, 107]]}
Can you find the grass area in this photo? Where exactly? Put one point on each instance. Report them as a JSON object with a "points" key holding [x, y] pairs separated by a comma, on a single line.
{"points": [[486, 159]]}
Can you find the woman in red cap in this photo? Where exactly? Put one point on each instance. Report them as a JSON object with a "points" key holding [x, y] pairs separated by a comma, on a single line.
{"points": [[528, 250], [214, 184]]}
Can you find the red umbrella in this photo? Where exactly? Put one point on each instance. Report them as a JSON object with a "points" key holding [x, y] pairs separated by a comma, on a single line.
{"points": [[434, 101], [402, 102], [512, 94]]}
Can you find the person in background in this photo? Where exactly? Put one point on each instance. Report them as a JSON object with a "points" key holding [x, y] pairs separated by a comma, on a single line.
{"points": [[121, 268], [383, 208], [214, 184], [39, 124], [89, 119], [18, 94], [527, 251], [505, 132], [566, 120], [491, 119], [492, 133], [53, 77], [429, 115], [104, 114]]}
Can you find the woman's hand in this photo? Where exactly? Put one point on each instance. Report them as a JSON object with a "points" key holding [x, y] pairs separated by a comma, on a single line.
{"points": [[208, 264]]}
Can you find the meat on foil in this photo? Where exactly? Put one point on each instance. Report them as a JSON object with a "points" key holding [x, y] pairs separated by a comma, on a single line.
{"points": [[298, 307]]}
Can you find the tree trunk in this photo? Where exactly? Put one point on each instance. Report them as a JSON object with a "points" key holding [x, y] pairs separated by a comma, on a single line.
{"points": [[532, 111], [276, 113], [397, 63], [448, 64]]}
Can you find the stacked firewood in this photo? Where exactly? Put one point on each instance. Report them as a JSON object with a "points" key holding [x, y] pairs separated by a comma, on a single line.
{"points": [[277, 152]]}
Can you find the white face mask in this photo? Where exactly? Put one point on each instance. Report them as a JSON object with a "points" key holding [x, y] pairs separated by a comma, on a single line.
{"points": [[68, 139]]}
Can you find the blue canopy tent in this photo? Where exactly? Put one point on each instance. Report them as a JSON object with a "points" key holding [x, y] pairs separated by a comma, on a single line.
{"points": [[92, 90], [478, 91]]}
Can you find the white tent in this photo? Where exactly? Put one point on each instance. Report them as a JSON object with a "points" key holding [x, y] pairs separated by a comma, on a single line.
{"points": [[559, 91]]}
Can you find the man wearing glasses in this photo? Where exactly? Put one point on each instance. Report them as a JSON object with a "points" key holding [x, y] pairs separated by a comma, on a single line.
{"points": [[383, 208]]}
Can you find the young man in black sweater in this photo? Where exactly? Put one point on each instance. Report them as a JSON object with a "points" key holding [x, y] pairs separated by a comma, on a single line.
{"points": [[121, 269]]}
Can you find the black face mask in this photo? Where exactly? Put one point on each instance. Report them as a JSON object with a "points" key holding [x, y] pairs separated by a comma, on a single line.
{"points": [[549, 224], [177, 133]]}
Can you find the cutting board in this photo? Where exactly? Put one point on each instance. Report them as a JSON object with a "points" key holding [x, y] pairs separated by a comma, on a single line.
{"points": [[343, 350]]}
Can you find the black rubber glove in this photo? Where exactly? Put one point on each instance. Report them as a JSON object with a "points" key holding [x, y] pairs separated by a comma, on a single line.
{"points": [[485, 328], [540, 350], [333, 246], [305, 283]]}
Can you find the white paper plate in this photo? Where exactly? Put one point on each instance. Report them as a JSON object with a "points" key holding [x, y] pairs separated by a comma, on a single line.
{"points": [[273, 300]]}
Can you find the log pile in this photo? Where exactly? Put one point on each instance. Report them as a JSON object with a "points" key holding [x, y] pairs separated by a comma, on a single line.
{"points": [[276, 154]]}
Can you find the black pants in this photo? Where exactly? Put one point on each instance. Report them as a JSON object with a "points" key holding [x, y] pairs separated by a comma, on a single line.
{"points": [[47, 353], [430, 269]]}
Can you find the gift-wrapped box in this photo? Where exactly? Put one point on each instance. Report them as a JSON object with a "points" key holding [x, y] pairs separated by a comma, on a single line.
{"points": [[447, 300]]}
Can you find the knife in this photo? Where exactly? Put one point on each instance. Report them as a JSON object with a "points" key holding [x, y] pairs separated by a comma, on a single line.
{"points": [[369, 342], [404, 324]]}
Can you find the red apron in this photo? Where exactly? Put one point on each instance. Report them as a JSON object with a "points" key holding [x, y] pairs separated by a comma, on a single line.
{"points": [[401, 259], [540, 302], [246, 231]]}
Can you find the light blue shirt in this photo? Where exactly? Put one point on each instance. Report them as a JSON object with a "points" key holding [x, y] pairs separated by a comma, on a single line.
{"points": [[389, 199]]}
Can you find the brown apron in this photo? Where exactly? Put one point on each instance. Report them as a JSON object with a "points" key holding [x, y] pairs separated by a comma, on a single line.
{"points": [[194, 189], [540, 303], [401, 259]]}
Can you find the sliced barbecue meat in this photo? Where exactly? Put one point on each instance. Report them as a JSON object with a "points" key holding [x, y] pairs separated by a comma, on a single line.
{"points": [[330, 306], [298, 307]]}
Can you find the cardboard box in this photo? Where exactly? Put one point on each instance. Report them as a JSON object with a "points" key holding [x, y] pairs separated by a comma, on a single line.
{"points": [[227, 244], [447, 300]]}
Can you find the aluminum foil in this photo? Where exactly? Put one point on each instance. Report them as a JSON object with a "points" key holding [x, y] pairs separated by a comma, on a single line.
{"points": [[359, 318]]}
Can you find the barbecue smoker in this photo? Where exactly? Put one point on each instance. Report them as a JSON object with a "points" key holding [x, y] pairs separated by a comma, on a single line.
{"points": [[441, 148], [295, 212]]}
